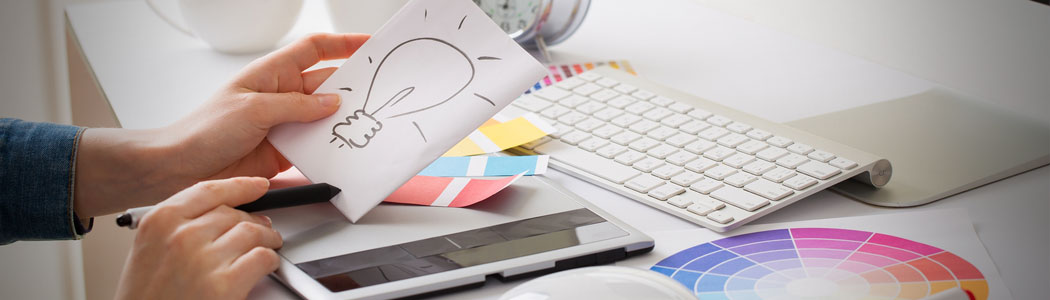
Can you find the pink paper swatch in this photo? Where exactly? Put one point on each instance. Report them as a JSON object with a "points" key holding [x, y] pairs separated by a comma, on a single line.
{"points": [[448, 191]]}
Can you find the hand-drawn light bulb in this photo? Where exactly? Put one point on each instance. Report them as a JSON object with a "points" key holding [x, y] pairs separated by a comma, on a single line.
{"points": [[414, 76]]}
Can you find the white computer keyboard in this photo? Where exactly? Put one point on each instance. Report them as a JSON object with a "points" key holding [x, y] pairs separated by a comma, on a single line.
{"points": [[695, 159]]}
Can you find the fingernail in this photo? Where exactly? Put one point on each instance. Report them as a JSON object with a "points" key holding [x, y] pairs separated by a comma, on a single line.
{"points": [[269, 222], [328, 100]]}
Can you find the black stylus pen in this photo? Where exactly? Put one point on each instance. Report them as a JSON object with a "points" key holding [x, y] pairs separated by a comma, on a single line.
{"points": [[278, 198]]}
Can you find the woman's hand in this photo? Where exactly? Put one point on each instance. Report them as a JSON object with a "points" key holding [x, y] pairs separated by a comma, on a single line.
{"points": [[196, 246], [226, 137]]}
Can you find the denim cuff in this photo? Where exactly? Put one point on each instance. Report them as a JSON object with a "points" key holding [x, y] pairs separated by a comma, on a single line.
{"points": [[37, 174]]}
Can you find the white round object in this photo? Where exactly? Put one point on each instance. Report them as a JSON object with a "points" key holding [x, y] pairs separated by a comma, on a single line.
{"points": [[605, 282]]}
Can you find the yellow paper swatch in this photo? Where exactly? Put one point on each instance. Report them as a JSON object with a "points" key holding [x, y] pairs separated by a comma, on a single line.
{"points": [[502, 136]]}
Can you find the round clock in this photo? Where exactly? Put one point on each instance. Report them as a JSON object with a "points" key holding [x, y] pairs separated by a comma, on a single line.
{"points": [[537, 23]]}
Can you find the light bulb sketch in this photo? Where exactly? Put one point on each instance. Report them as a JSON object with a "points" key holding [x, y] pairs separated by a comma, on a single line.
{"points": [[414, 76]]}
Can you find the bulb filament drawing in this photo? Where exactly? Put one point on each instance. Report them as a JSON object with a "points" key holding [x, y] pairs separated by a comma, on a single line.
{"points": [[412, 77]]}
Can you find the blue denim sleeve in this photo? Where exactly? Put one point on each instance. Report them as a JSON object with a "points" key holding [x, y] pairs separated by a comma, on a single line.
{"points": [[37, 165]]}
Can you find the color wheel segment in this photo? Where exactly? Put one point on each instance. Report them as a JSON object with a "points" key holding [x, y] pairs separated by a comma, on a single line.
{"points": [[820, 263]]}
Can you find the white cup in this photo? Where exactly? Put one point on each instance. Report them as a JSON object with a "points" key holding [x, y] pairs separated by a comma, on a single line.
{"points": [[362, 16], [232, 26]]}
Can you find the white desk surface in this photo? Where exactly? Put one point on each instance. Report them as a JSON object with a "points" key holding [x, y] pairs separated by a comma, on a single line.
{"points": [[151, 74]]}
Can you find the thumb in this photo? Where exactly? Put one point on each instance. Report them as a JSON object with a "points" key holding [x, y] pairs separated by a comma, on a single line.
{"points": [[278, 108]]}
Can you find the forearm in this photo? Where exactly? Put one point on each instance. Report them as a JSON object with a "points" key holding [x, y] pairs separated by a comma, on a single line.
{"points": [[117, 169]]}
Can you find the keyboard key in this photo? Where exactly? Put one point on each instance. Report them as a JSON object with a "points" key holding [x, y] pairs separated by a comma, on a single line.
{"points": [[560, 130], [759, 134], [700, 165], [621, 101], [575, 137], [606, 82], [706, 200], [606, 131], [720, 172], [680, 140], [625, 138], [587, 161], [592, 144], [604, 95], [644, 183], [661, 133], [713, 133], [720, 216], [533, 144], [629, 157], [625, 120], [639, 108], [752, 146], [700, 209], [779, 174], [645, 95], [643, 144], [699, 114], [625, 88], [821, 156], [532, 104], [680, 158], [800, 148], [643, 126], [679, 107], [589, 124], [759, 167], [818, 169], [686, 178], [607, 114], [732, 140], [657, 114], [589, 76], [800, 182], [675, 120], [780, 141], [738, 160], [740, 198], [590, 107], [679, 202], [739, 179], [771, 154], [572, 117], [662, 151], [586, 89], [843, 163], [573, 101], [667, 171], [738, 127], [719, 120], [706, 186], [659, 100], [648, 164], [769, 190], [666, 191], [699, 146], [611, 150], [555, 111], [694, 126], [719, 153], [792, 160], [570, 83], [551, 93]]}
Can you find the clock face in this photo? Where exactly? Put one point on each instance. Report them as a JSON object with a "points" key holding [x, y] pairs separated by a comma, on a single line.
{"points": [[514, 16]]}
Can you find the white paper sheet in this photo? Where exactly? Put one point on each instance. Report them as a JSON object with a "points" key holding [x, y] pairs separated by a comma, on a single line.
{"points": [[435, 72], [949, 229]]}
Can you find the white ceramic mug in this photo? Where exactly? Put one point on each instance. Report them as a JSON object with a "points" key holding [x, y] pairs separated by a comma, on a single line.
{"points": [[232, 26], [362, 16]]}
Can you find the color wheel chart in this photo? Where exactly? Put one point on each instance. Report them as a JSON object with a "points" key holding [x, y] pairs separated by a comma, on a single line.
{"points": [[558, 72], [820, 263]]}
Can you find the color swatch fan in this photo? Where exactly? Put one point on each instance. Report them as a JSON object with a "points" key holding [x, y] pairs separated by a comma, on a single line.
{"points": [[820, 263]]}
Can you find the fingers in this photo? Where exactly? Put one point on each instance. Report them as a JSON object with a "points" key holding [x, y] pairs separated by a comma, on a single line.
{"points": [[247, 235], [247, 269], [322, 46], [313, 79], [205, 196], [218, 221], [270, 109]]}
